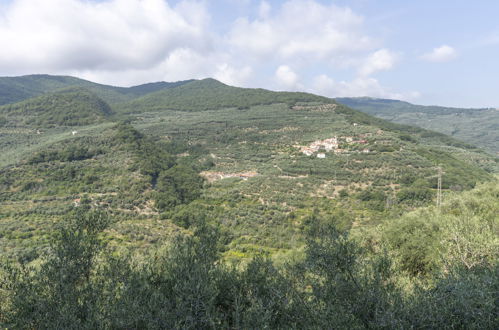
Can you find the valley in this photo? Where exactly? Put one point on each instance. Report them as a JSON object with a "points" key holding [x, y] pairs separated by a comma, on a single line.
{"points": [[264, 169], [242, 164], [268, 166]]}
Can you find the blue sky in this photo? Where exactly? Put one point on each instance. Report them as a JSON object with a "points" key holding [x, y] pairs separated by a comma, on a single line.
{"points": [[427, 52]]}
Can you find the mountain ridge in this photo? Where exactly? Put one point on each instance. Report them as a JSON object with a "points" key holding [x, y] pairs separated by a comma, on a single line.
{"points": [[70, 106], [19, 88], [478, 126], [209, 94]]}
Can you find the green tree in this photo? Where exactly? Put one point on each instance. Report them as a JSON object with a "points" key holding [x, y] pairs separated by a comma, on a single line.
{"points": [[349, 291], [59, 293], [178, 185], [174, 289], [415, 243]]}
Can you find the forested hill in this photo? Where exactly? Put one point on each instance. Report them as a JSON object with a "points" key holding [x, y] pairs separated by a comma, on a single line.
{"points": [[15, 89], [210, 94], [73, 106], [476, 126]]}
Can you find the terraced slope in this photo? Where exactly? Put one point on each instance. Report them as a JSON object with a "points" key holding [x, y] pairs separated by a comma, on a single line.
{"points": [[266, 168]]}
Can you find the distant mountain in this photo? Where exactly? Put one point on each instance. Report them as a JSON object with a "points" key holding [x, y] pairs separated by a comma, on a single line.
{"points": [[208, 94], [74, 106], [15, 89], [144, 89], [476, 126]]}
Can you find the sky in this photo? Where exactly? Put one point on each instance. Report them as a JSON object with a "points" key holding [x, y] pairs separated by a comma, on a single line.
{"points": [[441, 52]]}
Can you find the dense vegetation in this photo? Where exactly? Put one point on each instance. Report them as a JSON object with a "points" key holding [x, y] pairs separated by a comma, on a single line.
{"points": [[67, 107], [194, 205], [411, 277], [16, 89], [209, 94], [476, 126]]}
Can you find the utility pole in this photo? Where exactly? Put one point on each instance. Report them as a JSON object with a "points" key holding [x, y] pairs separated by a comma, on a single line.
{"points": [[439, 187]]}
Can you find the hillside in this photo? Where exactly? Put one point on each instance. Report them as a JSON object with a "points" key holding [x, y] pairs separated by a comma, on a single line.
{"points": [[16, 89], [475, 126], [66, 107], [268, 209], [267, 160], [210, 94]]}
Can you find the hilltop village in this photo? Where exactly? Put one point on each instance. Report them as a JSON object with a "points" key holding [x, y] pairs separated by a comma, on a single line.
{"points": [[343, 144]]}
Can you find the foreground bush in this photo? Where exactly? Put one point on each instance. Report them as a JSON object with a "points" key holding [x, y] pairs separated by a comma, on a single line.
{"points": [[81, 284]]}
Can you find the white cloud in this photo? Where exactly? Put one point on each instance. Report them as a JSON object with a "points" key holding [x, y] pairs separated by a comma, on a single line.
{"points": [[119, 42], [181, 64], [309, 36], [380, 60], [360, 86], [443, 53], [61, 35], [264, 9], [231, 75], [193, 12], [126, 42], [286, 77], [302, 28]]}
